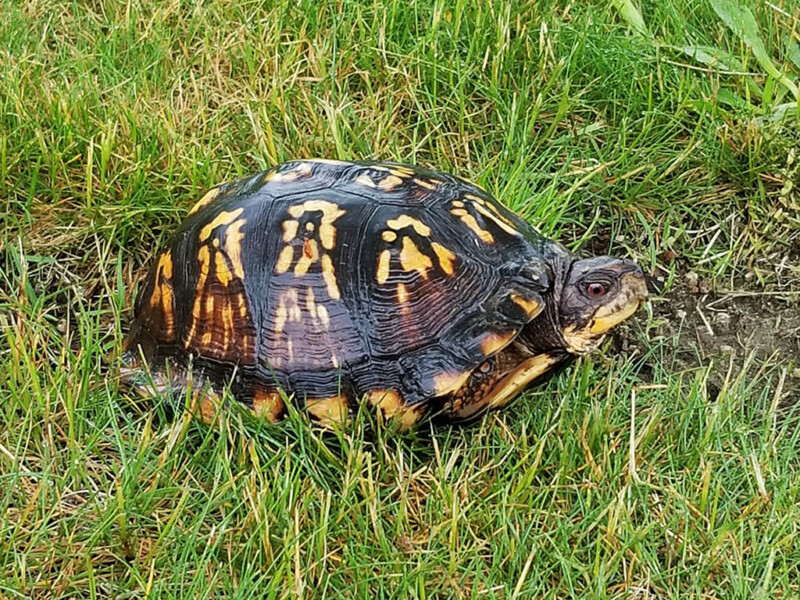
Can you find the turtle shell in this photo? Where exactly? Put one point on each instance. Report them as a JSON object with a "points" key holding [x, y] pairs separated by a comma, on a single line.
{"points": [[336, 282]]}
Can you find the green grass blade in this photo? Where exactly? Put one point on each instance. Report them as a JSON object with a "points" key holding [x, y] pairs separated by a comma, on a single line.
{"points": [[632, 15], [740, 20]]}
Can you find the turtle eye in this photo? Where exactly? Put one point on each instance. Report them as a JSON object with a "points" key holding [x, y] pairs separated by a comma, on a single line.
{"points": [[596, 290]]}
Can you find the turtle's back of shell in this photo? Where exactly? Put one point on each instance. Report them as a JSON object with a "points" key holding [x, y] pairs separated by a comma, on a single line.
{"points": [[337, 281]]}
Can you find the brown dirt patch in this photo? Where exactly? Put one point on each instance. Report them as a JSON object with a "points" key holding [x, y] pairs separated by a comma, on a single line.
{"points": [[699, 327], [740, 322]]}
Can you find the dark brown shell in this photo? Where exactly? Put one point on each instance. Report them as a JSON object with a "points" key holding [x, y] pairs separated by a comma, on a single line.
{"points": [[336, 281]]}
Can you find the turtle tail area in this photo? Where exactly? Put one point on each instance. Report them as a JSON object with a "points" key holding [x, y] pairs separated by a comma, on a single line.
{"points": [[145, 373]]}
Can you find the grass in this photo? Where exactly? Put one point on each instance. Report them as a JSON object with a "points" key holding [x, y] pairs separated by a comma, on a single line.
{"points": [[654, 471]]}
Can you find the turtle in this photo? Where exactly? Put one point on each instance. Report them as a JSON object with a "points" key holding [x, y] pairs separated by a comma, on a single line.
{"points": [[331, 285]]}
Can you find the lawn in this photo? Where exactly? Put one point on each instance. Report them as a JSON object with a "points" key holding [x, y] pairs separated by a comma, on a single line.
{"points": [[664, 465]]}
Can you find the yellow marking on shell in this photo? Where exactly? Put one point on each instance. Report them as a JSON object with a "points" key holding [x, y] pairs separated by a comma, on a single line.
{"points": [[204, 258], [162, 292], [301, 169], [280, 316], [311, 306], [388, 236], [411, 259], [284, 260], [494, 342], [389, 405], [531, 307], [295, 313], [225, 333], [365, 180], [208, 410], [290, 348], [330, 212], [288, 309], [329, 276], [227, 321], [327, 235], [241, 301], [290, 229], [167, 310], [447, 383], [267, 405], [409, 221], [513, 383], [328, 411], [324, 318], [426, 184], [402, 293], [386, 400], [223, 218], [205, 405], [390, 182], [164, 262], [497, 219], [205, 200], [310, 255], [483, 202], [233, 246], [457, 203], [402, 172], [470, 222], [445, 256], [459, 212], [221, 269], [384, 266], [209, 304], [244, 345], [309, 226]]}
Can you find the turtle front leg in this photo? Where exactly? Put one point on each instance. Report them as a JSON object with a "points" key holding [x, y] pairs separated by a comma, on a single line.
{"points": [[498, 381]]}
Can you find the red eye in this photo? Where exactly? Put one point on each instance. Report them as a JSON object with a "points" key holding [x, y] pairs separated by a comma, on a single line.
{"points": [[595, 290]]}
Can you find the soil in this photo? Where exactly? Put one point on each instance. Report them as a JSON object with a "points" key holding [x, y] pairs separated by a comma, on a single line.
{"points": [[701, 327], [734, 322]]}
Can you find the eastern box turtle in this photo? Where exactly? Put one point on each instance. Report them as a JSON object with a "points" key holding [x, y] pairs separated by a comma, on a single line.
{"points": [[332, 283]]}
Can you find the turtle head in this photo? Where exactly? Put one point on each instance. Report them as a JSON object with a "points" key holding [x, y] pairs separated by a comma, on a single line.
{"points": [[598, 294]]}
